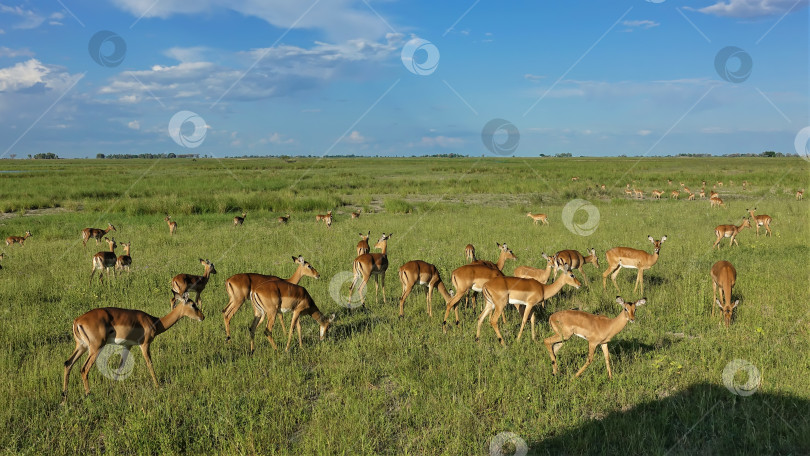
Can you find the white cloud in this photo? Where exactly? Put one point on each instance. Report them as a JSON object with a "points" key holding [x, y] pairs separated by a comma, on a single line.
{"points": [[29, 19], [644, 132], [11, 53], [533, 77], [135, 125], [645, 24], [752, 8], [440, 141], [278, 139], [33, 75], [355, 138]]}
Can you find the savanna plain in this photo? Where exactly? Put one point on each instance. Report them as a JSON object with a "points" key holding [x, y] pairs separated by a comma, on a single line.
{"points": [[381, 384]]}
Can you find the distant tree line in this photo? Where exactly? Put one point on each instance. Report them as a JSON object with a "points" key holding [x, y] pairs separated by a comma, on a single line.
{"points": [[125, 156]]}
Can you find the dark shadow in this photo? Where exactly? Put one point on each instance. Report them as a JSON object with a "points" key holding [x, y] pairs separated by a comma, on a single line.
{"points": [[349, 322]]}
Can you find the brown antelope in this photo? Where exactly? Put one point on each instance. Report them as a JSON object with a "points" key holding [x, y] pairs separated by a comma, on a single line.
{"points": [[371, 264], [11, 240], [418, 272], [686, 189], [238, 221], [704, 183], [702, 193], [716, 201], [724, 276], [506, 254], [472, 276], [104, 260], [326, 218], [719, 183], [110, 325], [172, 225], [691, 197], [238, 287], [538, 274], [682, 184], [362, 246], [799, 195], [469, 253], [603, 187], [575, 178], [272, 296], [523, 294], [657, 194], [596, 329], [95, 233], [639, 193], [284, 218], [124, 261], [730, 231], [182, 283], [745, 185], [356, 215], [625, 257], [674, 194], [669, 181], [713, 194], [627, 191], [538, 218], [572, 259], [761, 220]]}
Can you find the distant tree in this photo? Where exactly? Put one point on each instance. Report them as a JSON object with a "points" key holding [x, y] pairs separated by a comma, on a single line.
{"points": [[12, 156], [99, 155], [46, 156], [769, 153], [171, 155]]}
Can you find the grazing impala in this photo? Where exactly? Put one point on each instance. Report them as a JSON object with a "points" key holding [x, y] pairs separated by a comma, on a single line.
{"points": [[625, 257], [238, 221], [657, 194], [362, 246], [572, 259], [761, 220], [124, 261], [724, 276], [182, 283], [686, 189], [730, 231], [110, 325], [356, 215], [674, 194], [95, 233], [418, 272], [371, 264], [538, 218], [716, 201], [11, 240], [104, 260], [799, 195], [172, 225], [469, 252], [238, 287], [523, 294], [326, 218], [596, 329], [538, 274], [284, 218], [713, 194], [273, 296]]}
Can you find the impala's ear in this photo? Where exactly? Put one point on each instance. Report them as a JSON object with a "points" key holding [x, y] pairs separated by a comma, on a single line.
{"points": [[736, 302], [641, 302], [202, 261], [295, 259], [544, 255], [664, 238], [650, 238], [331, 318], [719, 304], [619, 300]]}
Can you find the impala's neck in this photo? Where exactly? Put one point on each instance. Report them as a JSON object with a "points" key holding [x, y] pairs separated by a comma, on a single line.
{"points": [[163, 324], [590, 259], [501, 261], [384, 248], [296, 277], [554, 288], [126, 251], [617, 324], [443, 290]]}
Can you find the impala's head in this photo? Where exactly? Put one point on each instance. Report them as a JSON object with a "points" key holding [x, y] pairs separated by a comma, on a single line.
{"points": [[307, 268], [727, 310], [506, 251], [550, 260], [568, 278], [364, 237], [209, 266], [28, 233], [630, 307], [593, 258], [325, 323], [111, 227], [126, 245], [188, 308], [111, 243], [746, 223], [657, 244], [168, 217], [383, 241]]}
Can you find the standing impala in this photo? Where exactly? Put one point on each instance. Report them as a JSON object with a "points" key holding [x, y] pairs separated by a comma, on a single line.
{"points": [[182, 283], [111, 325], [574, 260], [124, 261], [505, 254], [761, 220], [238, 221], [371, 264], [538, 218], [657, 194], [11, 240], [172, 224], [639, 193], [524, 294], [284, 218], [596, 329], [362, 245], [238, 287], [326, 218], [418, 272], [95, 233], [724, 276], [716, 201], [356, 215], [625, 257], [729, 231], [799, 195], [469, 253], [674, 194], [538, 274], [104, 260]]}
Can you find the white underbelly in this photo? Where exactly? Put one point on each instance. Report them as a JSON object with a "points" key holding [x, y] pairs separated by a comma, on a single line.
{"points": [[117, 341], [629, 266], [517, 302], [283, 310], [580, 335], [477, 289]]}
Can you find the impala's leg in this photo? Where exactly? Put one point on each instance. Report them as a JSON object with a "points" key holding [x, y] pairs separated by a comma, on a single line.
{"points": [[227, 313], [553, 344], [268, 331], [298, 329], [406, 290], [295, 316], [607, 360], [768, 227], [488, 308], [94, 351], [591, 349], [533, 336], [77, 353], [256, 318], [614, 275], [584, 277], [493, 320], [147, 356], [526, 312], [639, 280], [714, 295], [717, 242], [453, 304]]}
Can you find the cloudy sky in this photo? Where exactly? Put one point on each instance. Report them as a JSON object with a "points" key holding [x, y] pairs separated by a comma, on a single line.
{"points": [[387, 77]]}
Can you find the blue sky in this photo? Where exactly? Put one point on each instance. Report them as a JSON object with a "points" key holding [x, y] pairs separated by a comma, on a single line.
{"points": [[301, 77]]}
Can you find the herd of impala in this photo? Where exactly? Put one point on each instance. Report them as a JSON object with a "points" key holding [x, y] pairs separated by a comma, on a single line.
{"points": [[272, 296]]}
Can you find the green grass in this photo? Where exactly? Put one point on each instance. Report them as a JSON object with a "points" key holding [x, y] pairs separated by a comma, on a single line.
{"points": [[383, 385]]}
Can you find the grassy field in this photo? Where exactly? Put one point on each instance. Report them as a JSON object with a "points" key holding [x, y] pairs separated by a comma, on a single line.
{"points": [[379, 384]]}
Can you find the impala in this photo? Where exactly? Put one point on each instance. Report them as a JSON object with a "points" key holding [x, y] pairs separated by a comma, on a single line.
{"points": [[538, 274], [603, 187], [574, 179], [362, 246], [238, 221], [356, 215], [172, 225], [730, 231], [104, 260], [469, 252], [272, 296], [538, 218], [421, 273], [326, 218], [523, 293], [691, 197], [716, 201], [799, 195], [686, 189], [182, 283], [371, 264], [674, 194], [719, 183], [761, 220], [505, 254], [627, 191], [724, 276], [284, 218], [11, 240], [111, 325], [124, 261], [238, 287], [469, 277], [625, 257], [596, 329], [639, 193], [657, 194], [713, 194], [702, 193], [95, 233], [572, 259]]}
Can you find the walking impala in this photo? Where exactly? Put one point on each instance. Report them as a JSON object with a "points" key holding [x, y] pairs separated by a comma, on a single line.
{"points": [[596, 329], [110, 325], [238, 287], [356, 215], [362, 246], [729, 231], [674, 194], [625, 257], [124, 261], [716, 201], [574, 260], [505, 254], [538, 274], [95, 233], [104, 260], [526, 293], [172, 224], [238, 221], [761, 220], [371, 264], [724, 276], [326, 218], [284, 218], [538, 218], [657, 194], [11, 240], [418, 272], [182, 283]]}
